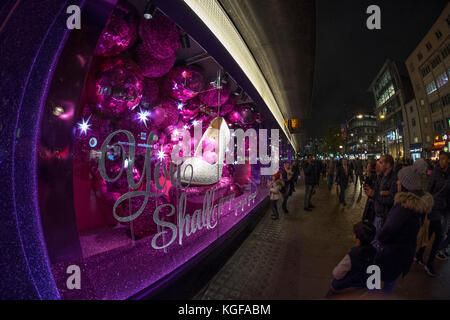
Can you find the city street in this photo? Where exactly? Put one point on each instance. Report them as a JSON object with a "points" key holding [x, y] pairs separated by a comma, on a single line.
{"points": [[292, 258]]}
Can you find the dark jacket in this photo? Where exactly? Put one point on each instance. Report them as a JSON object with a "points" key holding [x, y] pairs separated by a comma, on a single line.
{"points": [[369, 211], [341, 177], [361, 257], [439, 187], [310, 174], [317, 170], [359, 170], [382, 204], [398, 237]]}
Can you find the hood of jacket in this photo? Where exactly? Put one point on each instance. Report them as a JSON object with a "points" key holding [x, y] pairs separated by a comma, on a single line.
{"points": [[409, 200]]}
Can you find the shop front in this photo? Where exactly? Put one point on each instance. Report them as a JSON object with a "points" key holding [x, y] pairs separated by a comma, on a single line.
{"points": [[441, 143], [138, 146], [415, 151]]}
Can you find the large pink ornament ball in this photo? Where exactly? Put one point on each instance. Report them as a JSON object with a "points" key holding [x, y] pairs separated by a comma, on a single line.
{"points": [[184, 83], [118, 86], [150, 93], [248, 114], [153, 67], [160, 35], [165, 114], [119, 33], [234, 117], [213, 97], [227, 107]]}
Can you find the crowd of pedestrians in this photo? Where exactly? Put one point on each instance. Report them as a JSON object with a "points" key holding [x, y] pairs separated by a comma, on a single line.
{"points": [[406, 216]]}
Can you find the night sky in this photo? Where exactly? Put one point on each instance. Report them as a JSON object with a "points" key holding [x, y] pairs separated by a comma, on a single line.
{"points": [[348, 55]]}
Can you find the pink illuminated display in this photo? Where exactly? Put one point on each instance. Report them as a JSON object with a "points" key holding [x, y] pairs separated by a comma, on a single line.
{"points": [[136, 221]]}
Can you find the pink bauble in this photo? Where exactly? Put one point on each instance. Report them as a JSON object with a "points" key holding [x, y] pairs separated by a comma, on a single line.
{"points": [[137, 121], [165, 114], [184, 83], [150, 93], [153, 67], [227, 107], [236, 189], [247, 113], [160, 35], [118, 86], [118, 35], [234, 117], [213, 97], [189, 115]]}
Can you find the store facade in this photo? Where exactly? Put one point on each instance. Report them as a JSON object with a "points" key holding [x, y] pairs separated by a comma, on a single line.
{"points": [[113, 144]]}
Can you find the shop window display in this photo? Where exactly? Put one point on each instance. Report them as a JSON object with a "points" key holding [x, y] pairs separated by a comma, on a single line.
{"points": [[145, 201]]}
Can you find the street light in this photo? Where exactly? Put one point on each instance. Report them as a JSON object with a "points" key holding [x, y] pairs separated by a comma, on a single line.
{"points": [[360, 116], [340, 147]]}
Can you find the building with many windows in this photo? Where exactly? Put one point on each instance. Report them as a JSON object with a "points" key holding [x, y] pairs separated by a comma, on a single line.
{"points": [[392, 89], [362, 140], [429, 70]]}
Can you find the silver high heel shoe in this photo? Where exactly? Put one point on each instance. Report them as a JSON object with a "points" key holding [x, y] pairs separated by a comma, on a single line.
{"points": [[197, 171]]}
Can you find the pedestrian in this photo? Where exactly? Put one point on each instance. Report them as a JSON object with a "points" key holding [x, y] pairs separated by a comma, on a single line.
{"points": [[317, 172], [351, 168], [384, 191], [359, 171], [287, 190], [310, 180], [370, 180], [275, 186], [331, 168], [439, 187], [295, 174], [351, 272], [398, 236], [342, 179]]}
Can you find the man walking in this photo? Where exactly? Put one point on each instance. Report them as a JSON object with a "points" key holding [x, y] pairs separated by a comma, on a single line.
{"points": [[287, 179], [331, 168], [310, 181], [359, 171], [384, 191], [342, 178]]}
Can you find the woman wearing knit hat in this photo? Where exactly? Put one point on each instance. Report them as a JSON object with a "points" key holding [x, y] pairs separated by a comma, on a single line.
{"points": [[398, 236], [275, 187]]}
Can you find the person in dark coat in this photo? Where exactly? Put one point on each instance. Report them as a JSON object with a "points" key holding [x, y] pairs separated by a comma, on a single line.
{"points": [[439, 187], [351, 272], [295, 174], [384, 191], [310, 181], [317, 171], [359, 171], [342, 179], [287, 179], [370, 180], [398, 236]]}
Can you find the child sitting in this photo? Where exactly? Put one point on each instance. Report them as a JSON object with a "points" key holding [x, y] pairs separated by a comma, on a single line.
{"points": [[275, 187], [350, 273]]}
